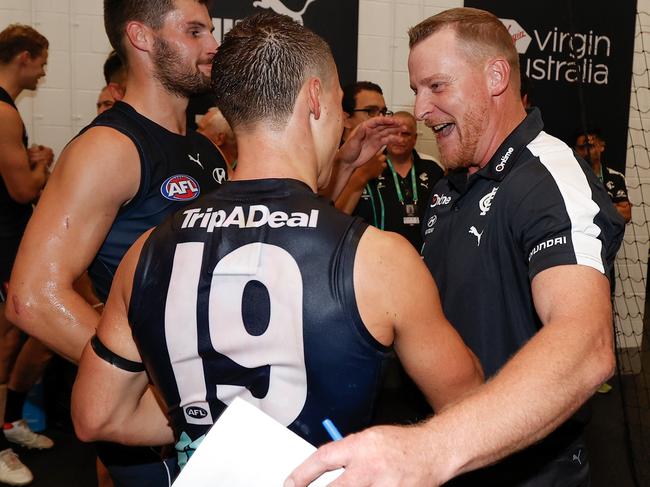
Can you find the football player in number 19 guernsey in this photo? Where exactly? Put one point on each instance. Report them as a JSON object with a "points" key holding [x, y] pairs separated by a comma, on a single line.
{"points": [[262, 289]]}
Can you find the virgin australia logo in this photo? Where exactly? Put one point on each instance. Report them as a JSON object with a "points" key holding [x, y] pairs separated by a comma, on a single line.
{"points": [[278, 7], [519, 35]]}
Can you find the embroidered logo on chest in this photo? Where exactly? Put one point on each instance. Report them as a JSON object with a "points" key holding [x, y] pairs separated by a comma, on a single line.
{"points": [[424, 180], [219, 174], [196, 159], [438, 199], [486, 202], [476, 233]]}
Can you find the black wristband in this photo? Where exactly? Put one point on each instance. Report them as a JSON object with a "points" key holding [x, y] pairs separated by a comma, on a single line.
{"points": [[114, 359]]}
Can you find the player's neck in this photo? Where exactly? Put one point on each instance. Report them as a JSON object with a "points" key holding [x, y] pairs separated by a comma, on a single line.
{"points": [[508, 113], [151, 100], [265, 155], [402, 163]]}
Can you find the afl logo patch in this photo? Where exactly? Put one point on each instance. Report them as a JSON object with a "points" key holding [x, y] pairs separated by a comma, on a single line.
{"points": [[180, 188], [196, 412]]}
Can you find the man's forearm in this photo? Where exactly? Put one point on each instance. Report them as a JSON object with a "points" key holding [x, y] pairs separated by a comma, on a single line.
{"points": [[28, 187], [349, 196], [341, 173], [63, 322], [515, 409]]}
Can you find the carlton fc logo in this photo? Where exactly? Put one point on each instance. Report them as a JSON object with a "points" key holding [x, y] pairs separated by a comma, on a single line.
{"points": [[180, 188]]}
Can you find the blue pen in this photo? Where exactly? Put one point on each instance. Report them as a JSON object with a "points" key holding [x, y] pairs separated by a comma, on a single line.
{"points": [[332, 430]]}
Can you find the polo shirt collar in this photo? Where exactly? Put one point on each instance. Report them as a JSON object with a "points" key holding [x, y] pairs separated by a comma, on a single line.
{"points": [[506, 156]]}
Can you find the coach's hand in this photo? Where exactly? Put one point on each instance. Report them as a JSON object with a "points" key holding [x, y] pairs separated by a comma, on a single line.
{"points": [[383, 456]]}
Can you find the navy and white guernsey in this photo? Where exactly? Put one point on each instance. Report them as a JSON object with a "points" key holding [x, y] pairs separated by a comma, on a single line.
{"points": [[249, 293], [175, 169]]}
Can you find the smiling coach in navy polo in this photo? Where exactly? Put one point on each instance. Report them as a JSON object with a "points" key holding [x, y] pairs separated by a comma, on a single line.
{"points": [[517, 223], [519, 238]]}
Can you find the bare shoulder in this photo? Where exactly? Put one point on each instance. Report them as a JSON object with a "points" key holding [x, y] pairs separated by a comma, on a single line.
{"points": [[99, 156], [389, 276], [9, 113], [101, 147], [381, 251], [10, 121]]}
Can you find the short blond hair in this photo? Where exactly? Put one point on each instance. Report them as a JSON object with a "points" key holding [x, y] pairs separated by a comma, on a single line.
{"points": [[481, 33]]}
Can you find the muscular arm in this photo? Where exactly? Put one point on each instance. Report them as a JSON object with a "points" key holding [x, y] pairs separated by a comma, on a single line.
{"points": [[572, 355], [398, 301], [97, 173], [23, 178], [351, 193], [109, 403]]}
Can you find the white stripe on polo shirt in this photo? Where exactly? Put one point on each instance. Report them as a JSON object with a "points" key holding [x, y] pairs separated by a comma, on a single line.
{"points": [[560, 162]]}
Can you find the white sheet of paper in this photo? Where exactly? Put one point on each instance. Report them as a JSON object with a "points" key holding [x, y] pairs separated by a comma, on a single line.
{"points": [[247, 448]]}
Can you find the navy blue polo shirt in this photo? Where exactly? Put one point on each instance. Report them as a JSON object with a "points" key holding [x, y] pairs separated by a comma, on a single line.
{"points": [[533, 206]]}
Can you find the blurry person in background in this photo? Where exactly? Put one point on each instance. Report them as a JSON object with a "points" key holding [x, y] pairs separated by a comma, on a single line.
{"points": [[216, 128], [23, 56]]}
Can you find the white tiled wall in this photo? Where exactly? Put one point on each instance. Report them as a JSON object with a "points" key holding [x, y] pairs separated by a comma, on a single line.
{"points": [[383, 50], [65, 101]]}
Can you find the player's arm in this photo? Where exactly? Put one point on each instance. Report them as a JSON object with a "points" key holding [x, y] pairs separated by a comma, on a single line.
{"points": [[96, 174], [571, 355], [399, 303], [351, 193], [115, 402], [364, 142], [24, 178]]}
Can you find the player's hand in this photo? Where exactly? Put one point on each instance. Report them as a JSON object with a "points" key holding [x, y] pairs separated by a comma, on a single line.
{"points": [[383, 456], [40, 155], [368, 138]]}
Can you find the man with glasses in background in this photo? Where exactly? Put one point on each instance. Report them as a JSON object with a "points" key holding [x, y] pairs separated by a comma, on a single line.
{"points": [[361, 101]]}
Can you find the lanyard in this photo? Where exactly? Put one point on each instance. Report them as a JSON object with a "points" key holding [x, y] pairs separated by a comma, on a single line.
{"points": [[378, 224], [398, 187]]}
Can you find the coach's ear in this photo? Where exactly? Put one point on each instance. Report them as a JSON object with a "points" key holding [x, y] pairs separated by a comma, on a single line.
{"points": [[314, 88], [498, 76]]}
